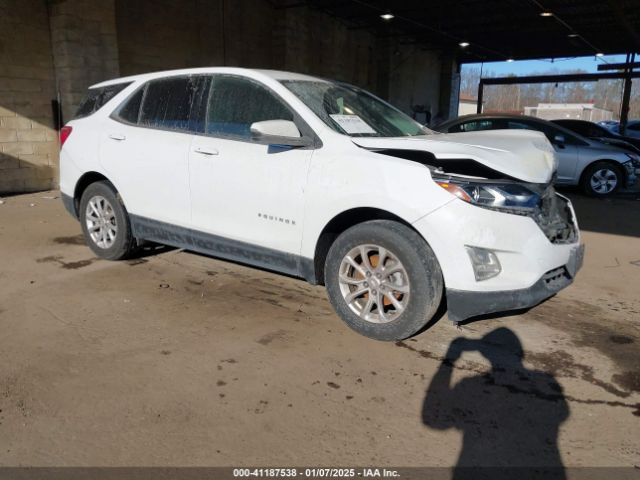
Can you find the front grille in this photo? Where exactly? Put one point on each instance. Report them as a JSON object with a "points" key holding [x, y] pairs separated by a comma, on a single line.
{"points": [[555, 219]]}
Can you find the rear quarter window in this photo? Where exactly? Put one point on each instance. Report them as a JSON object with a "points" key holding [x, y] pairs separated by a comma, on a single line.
{"points": [[96, 98], [130, 110]]}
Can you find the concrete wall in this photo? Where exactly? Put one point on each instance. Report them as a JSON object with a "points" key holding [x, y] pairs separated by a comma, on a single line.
{"points": [[317, 44], [28, 143], [57, 48], [84, 47], [159, 35], [164, 34], [156, 35], [251, 33], [414, 80]]}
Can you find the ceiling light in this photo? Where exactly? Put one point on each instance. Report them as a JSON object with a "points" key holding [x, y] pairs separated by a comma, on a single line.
{"points": [[573, 35], [464, 44], [387, 16], [546, 14], [599, 54], [509, 60]]}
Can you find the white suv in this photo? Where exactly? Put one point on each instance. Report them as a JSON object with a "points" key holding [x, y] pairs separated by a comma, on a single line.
{"points": [[321, 180]]}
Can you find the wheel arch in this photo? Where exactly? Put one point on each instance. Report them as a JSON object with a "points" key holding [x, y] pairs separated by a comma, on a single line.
{"points": [[339, 224], [81, 185], [615, 163]]}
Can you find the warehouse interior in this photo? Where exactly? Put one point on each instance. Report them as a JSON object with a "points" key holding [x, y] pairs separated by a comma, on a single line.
{"points": [[407, 52], [177, 364]]}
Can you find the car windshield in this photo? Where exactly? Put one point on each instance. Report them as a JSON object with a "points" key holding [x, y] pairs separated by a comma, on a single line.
{"points": [[352, 111]]}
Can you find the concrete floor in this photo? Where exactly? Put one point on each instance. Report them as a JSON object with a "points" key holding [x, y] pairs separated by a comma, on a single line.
{"points": [[178, 359]]}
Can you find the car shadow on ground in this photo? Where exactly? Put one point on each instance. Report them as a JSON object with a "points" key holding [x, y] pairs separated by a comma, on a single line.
{"points": [[149, 249], [617, 214], [509, 416]]}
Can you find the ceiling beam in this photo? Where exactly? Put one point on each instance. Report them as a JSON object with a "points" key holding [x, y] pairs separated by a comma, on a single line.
{"points": [[570, 77], [624, 22]]}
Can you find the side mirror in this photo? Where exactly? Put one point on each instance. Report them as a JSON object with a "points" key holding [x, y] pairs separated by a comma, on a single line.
{"points": [[559, 139], [278, 132]]}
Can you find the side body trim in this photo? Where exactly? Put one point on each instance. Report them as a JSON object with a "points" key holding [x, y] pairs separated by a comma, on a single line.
{"points": [[221, 247]]}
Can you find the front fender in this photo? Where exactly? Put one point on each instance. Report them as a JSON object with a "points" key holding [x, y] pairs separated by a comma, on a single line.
{"points": [[400, 187]]}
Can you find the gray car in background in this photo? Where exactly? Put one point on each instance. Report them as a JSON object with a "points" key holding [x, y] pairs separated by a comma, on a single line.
{"points": [[599, 169], [600, 133]]}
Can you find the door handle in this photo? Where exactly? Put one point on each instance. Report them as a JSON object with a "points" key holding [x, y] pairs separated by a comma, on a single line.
{"points": [[206, 151], [117, 136]]}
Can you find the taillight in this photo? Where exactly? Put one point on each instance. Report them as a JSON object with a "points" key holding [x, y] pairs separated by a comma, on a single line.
{"points": [[64, 134]]}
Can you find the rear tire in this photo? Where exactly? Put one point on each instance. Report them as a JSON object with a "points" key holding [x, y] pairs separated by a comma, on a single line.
{"points": [[105, 222], [601, 179], [383, 280]]}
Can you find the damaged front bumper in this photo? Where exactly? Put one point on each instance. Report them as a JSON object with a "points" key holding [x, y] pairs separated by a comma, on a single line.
{"points": [[538, 254], [464, 304]]}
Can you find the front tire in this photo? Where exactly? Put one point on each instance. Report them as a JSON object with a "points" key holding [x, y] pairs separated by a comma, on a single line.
{"points": [[105, 222], [383, 280], [601, 179]]}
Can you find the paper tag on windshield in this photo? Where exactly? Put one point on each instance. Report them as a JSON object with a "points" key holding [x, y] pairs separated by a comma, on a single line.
{"points": [[352, 124]]}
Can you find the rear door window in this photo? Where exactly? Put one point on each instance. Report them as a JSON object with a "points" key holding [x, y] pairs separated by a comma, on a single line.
{"points": [[584, 128], [236, 102], [552, 132], [97, 97], [173, 104], [593, 131]]}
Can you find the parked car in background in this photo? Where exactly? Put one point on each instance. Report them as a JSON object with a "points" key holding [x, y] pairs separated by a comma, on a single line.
{"points": [[600, 133], [608, 123], [321, 180], [633, 129], [599, 169]]}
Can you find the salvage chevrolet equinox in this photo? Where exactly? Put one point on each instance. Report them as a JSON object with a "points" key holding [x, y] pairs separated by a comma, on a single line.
{"points": [[321, 180]]}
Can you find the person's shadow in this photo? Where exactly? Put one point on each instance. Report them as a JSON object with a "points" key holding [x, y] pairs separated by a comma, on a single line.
{"points": [[509, 416]]}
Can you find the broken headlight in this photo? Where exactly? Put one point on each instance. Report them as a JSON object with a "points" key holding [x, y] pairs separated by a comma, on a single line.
{"points": [[507, 196]]}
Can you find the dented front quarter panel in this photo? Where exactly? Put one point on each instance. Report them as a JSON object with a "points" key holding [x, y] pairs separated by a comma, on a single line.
{"points": [[344, 179]]}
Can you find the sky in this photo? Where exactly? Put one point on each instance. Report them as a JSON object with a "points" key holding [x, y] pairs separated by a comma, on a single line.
{"points": [[531, 67]]}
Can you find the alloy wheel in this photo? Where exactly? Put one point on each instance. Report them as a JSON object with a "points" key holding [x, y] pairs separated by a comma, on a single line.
{"points": [[374, 283], [101, 222], [604, 180]]}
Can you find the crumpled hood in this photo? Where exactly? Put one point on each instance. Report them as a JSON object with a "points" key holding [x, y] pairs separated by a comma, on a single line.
{"points": [[523, 154]]}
